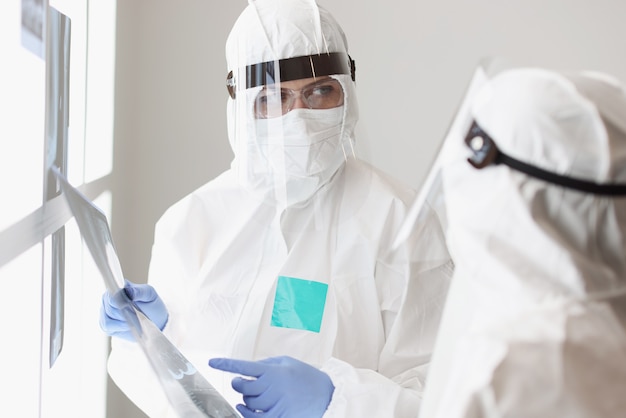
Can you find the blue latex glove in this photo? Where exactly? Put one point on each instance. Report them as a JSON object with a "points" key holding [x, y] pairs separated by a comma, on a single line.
{"points": [[281, 387], [143, 296]]}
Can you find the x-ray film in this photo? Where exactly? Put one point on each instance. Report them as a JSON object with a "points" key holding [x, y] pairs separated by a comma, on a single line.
{"points": [[33, 21], [189, 393], [57, 121]]}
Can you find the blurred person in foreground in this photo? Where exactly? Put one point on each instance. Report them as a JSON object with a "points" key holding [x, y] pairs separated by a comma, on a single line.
{"points": [[535, 322]]}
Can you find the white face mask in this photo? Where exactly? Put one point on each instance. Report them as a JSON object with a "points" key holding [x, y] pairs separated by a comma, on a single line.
{"points": [[302, 142], [295, 154]]}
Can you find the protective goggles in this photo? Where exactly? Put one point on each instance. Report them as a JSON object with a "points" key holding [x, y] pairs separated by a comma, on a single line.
{"points": [[272, 72], [485, 153], [273, 102]]}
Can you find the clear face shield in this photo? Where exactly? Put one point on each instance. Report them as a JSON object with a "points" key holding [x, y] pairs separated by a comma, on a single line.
{"points": [[291, 123], [317, 90], [431, 193]]}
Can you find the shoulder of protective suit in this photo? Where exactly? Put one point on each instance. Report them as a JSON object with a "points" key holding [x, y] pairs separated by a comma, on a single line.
{"points": [[381, 182], [194, 203]]}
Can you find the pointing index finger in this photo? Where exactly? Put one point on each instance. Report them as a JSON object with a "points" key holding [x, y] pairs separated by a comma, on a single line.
{"points": [[243, 367]]}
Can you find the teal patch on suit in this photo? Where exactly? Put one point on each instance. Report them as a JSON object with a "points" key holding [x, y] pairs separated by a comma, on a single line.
{"points": [[299, 304]]}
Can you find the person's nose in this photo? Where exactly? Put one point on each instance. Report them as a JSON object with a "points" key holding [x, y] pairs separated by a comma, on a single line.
{"points": [[298, 103]]}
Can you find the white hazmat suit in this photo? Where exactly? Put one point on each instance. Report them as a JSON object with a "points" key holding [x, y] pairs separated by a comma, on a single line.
{"points": [[297, 218], [535, 323]]}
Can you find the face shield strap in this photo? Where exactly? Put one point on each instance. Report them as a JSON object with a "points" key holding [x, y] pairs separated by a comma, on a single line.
{"points": [[486, 153], [295, 68]]}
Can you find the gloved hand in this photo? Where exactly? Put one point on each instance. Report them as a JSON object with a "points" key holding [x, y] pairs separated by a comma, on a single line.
{"points": [[143, 296], [281, 387]]}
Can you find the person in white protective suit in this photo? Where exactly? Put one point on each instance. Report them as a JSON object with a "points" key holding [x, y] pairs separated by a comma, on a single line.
{"points": [[535, 322], [281, 270]]}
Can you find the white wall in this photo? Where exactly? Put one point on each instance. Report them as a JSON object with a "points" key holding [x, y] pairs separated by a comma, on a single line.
{"points": [[413, 59]]}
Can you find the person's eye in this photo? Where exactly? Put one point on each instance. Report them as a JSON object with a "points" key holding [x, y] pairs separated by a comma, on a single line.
{"points": [[267, 96], [261, 99], [323, 90], [284, 96]]}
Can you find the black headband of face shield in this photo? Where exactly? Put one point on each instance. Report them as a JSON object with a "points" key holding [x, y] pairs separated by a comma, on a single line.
{"points": [[295, 68], [486, 153]]}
